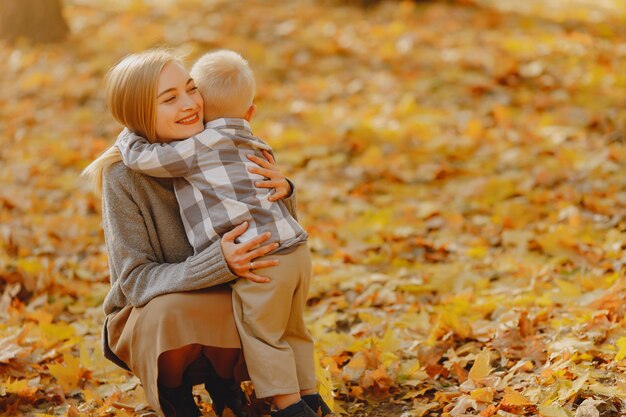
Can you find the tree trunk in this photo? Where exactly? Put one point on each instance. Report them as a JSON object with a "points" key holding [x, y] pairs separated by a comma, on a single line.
{"points": [[36, 20]]}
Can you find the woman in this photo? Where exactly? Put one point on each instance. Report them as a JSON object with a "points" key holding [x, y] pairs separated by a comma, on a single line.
{"points": [[169, 312]]}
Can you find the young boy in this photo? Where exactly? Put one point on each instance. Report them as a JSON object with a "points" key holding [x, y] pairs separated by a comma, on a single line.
{"points": [[219, 193]]}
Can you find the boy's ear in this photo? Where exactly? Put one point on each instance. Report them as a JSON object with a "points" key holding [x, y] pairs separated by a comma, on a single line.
{"points": [[250, 112]]}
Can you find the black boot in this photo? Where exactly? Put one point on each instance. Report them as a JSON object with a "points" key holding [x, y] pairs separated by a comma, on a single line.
{"points": [[317, 404], [225, 393], [299, 409], [178, 402]]}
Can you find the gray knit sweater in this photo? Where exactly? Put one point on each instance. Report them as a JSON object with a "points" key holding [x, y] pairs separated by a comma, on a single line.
{"points": [[149, 254]]}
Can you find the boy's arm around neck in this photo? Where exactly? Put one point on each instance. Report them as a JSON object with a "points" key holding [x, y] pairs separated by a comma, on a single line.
{"points": [[164, 160]]}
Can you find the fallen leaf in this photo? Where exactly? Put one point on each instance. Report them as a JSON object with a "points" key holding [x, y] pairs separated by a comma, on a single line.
{"points": [[481, 367], [513, 398], [68, 373]]}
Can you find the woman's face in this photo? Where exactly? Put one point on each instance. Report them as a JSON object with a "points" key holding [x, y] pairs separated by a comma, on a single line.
{"points": [[180, 107]]}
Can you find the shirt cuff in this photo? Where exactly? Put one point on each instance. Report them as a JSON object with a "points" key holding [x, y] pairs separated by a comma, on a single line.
{"points": [[293, 188]]}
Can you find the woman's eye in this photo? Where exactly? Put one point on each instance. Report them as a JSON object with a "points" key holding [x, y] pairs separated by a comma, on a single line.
{"points": [[169, 99], [193, 90]]}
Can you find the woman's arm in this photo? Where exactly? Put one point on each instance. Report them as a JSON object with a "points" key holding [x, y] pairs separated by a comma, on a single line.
{"points": [[136, 260], [136, 253]]}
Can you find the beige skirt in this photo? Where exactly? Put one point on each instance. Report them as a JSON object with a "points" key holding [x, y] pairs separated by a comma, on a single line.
{"points": [[138, 336]]}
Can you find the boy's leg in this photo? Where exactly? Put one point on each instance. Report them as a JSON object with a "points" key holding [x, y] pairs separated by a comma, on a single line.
{"points": [[262, 312], [297, 335], [301, 341]]}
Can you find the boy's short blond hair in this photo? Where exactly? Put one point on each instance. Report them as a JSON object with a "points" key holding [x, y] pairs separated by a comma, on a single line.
{"points": [[226, 83]]}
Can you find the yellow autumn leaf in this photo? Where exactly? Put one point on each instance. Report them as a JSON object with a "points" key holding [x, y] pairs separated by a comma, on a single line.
{"points": [[410, 369], [86, 359], [36, 81], [552, 411], [388, 359], [608, 391], [568, 289], [371, 157], [558, 242], [68, 373], [573, 388], [21, 387], [450, 321], [477, 252], [30, 266], [481, 367], [325, 385], [40, 316], [57, 332], [474, 129], [501, 114], [389, 342], [496, 190], [621, 346], [484, 395]]}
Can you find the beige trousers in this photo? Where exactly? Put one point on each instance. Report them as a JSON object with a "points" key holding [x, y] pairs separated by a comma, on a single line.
{"points": [[270, 318]]}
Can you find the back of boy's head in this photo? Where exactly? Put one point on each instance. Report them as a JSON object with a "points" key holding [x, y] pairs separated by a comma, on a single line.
{"points": [[226, 83]]}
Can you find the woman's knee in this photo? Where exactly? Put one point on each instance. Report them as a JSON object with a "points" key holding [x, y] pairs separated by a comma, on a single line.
{"points": [[223, 360], [181, 357], [173, 363]]}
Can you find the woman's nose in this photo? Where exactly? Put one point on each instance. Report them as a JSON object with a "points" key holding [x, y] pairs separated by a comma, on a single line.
{"points": [[188, 102]]}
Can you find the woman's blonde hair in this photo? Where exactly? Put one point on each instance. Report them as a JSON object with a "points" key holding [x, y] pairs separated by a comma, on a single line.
{"points": [[131, 93], [226, 83]]}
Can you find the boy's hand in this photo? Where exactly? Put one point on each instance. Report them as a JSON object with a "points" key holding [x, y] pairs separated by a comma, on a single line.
{"points": [[239, 256], [275, 179]]}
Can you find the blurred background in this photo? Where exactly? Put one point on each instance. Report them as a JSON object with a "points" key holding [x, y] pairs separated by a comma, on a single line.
{"points": [[460, 168]]}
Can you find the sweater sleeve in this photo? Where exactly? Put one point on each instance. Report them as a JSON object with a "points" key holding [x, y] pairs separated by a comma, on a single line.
{"points": [[135, 268], [165, 160], [290, 201]]}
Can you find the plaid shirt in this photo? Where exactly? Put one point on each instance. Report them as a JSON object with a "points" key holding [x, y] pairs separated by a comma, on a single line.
{"points": [[213, 187]]}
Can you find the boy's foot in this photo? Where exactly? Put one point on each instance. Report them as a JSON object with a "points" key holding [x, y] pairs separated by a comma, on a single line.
{"points": [[317, 404], [299, 409], [178, 402]]}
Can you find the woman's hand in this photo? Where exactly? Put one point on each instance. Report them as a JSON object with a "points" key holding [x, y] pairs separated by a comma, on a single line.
{"points": [[275, 179], [240, 256]]}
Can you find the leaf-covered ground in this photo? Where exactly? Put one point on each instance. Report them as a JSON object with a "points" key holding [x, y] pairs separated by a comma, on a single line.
{"points": [[461, 169]]}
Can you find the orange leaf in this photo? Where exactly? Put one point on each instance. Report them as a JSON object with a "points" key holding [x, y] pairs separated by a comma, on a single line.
{"points": [[489, 411], [513, 398]]}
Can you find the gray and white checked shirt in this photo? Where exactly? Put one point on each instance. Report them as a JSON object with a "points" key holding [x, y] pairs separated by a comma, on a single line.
{"points": [[213, 187]]}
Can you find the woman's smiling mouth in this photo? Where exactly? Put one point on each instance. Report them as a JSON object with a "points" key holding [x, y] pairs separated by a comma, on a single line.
{"points": [[189, 120]]}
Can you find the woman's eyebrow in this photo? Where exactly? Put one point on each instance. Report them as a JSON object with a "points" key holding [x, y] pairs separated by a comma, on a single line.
{"points": [[174, 89], [166, 91]]}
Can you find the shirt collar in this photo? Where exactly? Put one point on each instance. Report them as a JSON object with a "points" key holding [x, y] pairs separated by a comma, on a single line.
{"points": [[229, 123]]}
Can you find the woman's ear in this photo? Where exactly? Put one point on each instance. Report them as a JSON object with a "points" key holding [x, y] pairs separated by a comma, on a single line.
{"points": [[250, 112]]}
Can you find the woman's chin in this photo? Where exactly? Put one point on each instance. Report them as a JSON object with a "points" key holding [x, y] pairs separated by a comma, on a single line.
{"points": [[189, 131]]}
